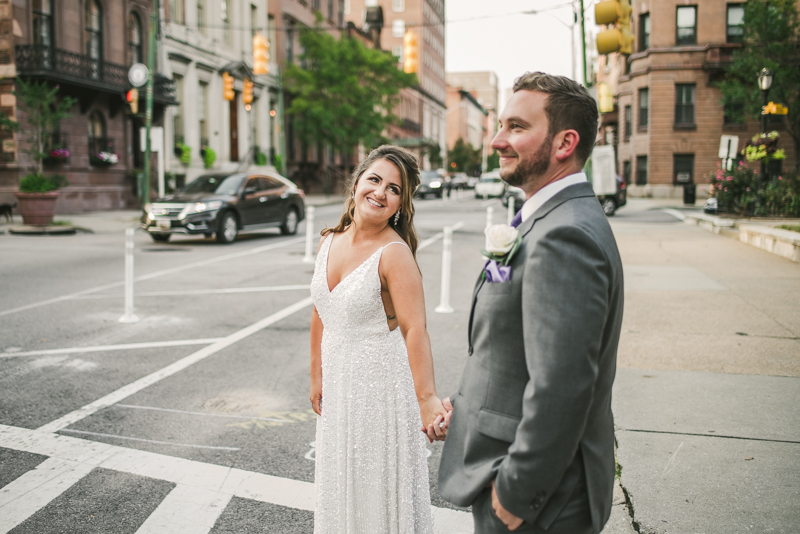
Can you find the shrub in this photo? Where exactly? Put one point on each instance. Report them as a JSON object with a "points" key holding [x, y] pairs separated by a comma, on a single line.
{"points": [[209, 157], [736, 192], [39, 183]]}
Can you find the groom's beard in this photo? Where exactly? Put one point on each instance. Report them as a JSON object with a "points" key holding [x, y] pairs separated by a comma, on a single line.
{"points": [[527, 171]]}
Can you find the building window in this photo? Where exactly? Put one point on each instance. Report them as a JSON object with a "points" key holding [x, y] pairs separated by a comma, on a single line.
{"points": [[272, 38], [370, 3], [202, 112], [226, 21], [644, 32], [176, 11], [733, 113], [315, 4], [626, 172], [42, 22], [201, 16], [687, 25], [735, 27], [628, 118], [344, 7], [641, 170], [684, 104], [177, 115], [253, 20], [330, 9], [397, 51], [94, 30], [683, 169], [97, 134], [398, 28], [644, 106], [398, 6], [135, 39]]}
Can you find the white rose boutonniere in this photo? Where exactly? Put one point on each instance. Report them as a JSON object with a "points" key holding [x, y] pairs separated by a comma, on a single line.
{"points": [[502, 242]]}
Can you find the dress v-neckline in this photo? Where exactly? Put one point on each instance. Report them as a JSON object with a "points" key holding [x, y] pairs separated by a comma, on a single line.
{"points": [[328, 255]]}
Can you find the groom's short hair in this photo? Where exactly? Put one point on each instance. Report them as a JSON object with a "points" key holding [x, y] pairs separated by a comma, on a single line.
{"points": [[568, 107]]}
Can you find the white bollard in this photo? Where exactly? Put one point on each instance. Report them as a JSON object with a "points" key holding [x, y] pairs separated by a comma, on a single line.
{"points": [[489, 216], [129, 316], [309, 257], [447, 243], [511, 211]]}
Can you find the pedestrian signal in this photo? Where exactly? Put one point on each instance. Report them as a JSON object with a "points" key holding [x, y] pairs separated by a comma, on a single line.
{"points": [[260, 54], [247, 92], [132, 96], [411, 52], [227, 87], [618, 39]]}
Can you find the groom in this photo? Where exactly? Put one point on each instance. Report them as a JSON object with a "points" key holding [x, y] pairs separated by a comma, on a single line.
{"points": [[530, 441]]}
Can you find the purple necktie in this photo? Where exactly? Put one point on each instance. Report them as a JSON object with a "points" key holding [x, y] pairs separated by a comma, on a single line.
{"points": [[517, 220]]}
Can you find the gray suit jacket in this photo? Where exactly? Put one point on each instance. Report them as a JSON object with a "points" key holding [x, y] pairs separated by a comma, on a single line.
{"points": [[533, 410]]}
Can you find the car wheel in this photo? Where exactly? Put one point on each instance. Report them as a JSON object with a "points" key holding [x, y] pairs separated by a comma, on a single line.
{"points": [[609, 206], [289, 226], [160, 238], [228, 228]]}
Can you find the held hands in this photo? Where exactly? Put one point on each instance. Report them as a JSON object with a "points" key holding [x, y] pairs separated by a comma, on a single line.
{"points": [[443, 410]]}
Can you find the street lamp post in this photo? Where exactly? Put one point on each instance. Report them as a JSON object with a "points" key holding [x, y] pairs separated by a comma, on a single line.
{"points": [[764, 83]]}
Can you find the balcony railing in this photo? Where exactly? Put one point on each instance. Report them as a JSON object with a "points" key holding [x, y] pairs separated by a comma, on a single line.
{"points": [[81, 70]]}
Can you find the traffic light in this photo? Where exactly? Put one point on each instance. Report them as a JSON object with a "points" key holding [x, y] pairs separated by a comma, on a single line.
{"points": [[411, 52], [260, 54], [227, 87], [619, 39], [132, 96], [247, 92]]}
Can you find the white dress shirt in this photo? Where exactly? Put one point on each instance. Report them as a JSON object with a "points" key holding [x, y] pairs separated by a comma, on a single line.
{"points": [[538, 199]]}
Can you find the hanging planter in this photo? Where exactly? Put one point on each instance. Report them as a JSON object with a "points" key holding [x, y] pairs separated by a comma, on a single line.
{"points": [[104, 159], [56, 156]]}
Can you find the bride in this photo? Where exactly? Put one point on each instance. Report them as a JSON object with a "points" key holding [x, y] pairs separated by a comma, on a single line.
{"points": [[372, 380]]}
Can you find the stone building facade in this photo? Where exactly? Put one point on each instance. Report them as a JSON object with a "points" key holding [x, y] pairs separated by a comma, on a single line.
{"points": [[86, 48], [668, 119]]}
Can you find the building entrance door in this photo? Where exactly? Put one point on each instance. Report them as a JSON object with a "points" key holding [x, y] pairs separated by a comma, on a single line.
{"points": [[234, 127]]}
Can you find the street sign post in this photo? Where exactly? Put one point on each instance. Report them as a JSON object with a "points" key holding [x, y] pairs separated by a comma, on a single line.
{"points": [[728, 145]]}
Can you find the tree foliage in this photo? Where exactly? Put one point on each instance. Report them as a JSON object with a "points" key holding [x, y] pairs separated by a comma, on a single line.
{"points": [[771, 34], [466, 158], [343, 92], [40, 103]]}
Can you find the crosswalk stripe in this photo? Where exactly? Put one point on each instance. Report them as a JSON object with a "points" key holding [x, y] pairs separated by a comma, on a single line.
{"points": [[215, 479], [32, 491], [186, 510]]}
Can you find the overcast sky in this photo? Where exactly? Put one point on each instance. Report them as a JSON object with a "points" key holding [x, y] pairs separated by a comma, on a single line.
{"points": [[503, 40]]}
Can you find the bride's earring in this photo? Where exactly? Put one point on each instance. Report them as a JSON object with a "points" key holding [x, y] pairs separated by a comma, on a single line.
{"points": [[396, 217]]}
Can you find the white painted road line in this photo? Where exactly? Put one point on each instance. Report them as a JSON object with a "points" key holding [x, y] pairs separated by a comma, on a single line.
{"points": [[115, 436], [184, 412], [186, 510], [210, 477], [435, 237], [183, 363], [108, 348], [156, 274], [32, 491], [301, 287]]}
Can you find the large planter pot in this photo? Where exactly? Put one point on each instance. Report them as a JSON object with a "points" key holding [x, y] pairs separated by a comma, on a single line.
{"points": [[37, 209]]}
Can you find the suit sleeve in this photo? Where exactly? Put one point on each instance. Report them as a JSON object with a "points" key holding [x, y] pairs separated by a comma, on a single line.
{"points": [[565, 296]]}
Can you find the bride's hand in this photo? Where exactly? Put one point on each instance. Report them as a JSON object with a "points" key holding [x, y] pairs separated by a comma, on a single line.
{"points": [[316, 397], [433, 413]]}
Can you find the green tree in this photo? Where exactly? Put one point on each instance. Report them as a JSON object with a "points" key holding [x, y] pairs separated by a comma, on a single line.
{"points": [[466, 158], [344, 92], [40, 103], [771, 32], [434, 154], [492, 161]]}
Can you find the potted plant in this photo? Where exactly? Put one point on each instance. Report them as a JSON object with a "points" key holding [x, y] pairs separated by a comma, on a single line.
{"points": [[104, 158], [209, 156], [57, 156], [184, 152], [38, 193]]}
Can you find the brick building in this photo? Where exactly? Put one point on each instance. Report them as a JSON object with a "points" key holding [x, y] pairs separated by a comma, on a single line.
{"points": [[482, 86], [422, 108], [667, 120], [85, 48], [466, 118]]}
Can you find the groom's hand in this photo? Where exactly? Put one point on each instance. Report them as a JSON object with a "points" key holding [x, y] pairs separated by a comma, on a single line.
{"points": [[509, 520]]}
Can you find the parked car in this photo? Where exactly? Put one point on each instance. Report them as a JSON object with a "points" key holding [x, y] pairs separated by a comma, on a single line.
{"points": [[517, 193], [472, 181], [611, 203], [430, 183], [459, 181], [711, 206], [224, 204], [490, 185]]}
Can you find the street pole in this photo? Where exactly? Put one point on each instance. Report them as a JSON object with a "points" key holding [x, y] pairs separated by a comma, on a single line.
{"points": [[586, 81], [148, 114]]}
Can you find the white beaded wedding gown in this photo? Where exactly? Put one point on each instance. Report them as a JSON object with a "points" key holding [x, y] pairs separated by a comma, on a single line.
{"points": [[371, 468]]}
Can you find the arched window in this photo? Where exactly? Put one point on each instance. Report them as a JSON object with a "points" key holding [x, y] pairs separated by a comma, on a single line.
{"points": [[94, 34], [97, 134], [135, 38]]}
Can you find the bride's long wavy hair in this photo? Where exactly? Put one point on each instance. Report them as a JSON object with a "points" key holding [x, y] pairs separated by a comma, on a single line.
{"points": [[408, 164]]}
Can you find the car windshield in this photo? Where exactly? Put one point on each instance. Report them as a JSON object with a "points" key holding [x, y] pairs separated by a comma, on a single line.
{"points": [[429, 176], [221, 185]]}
